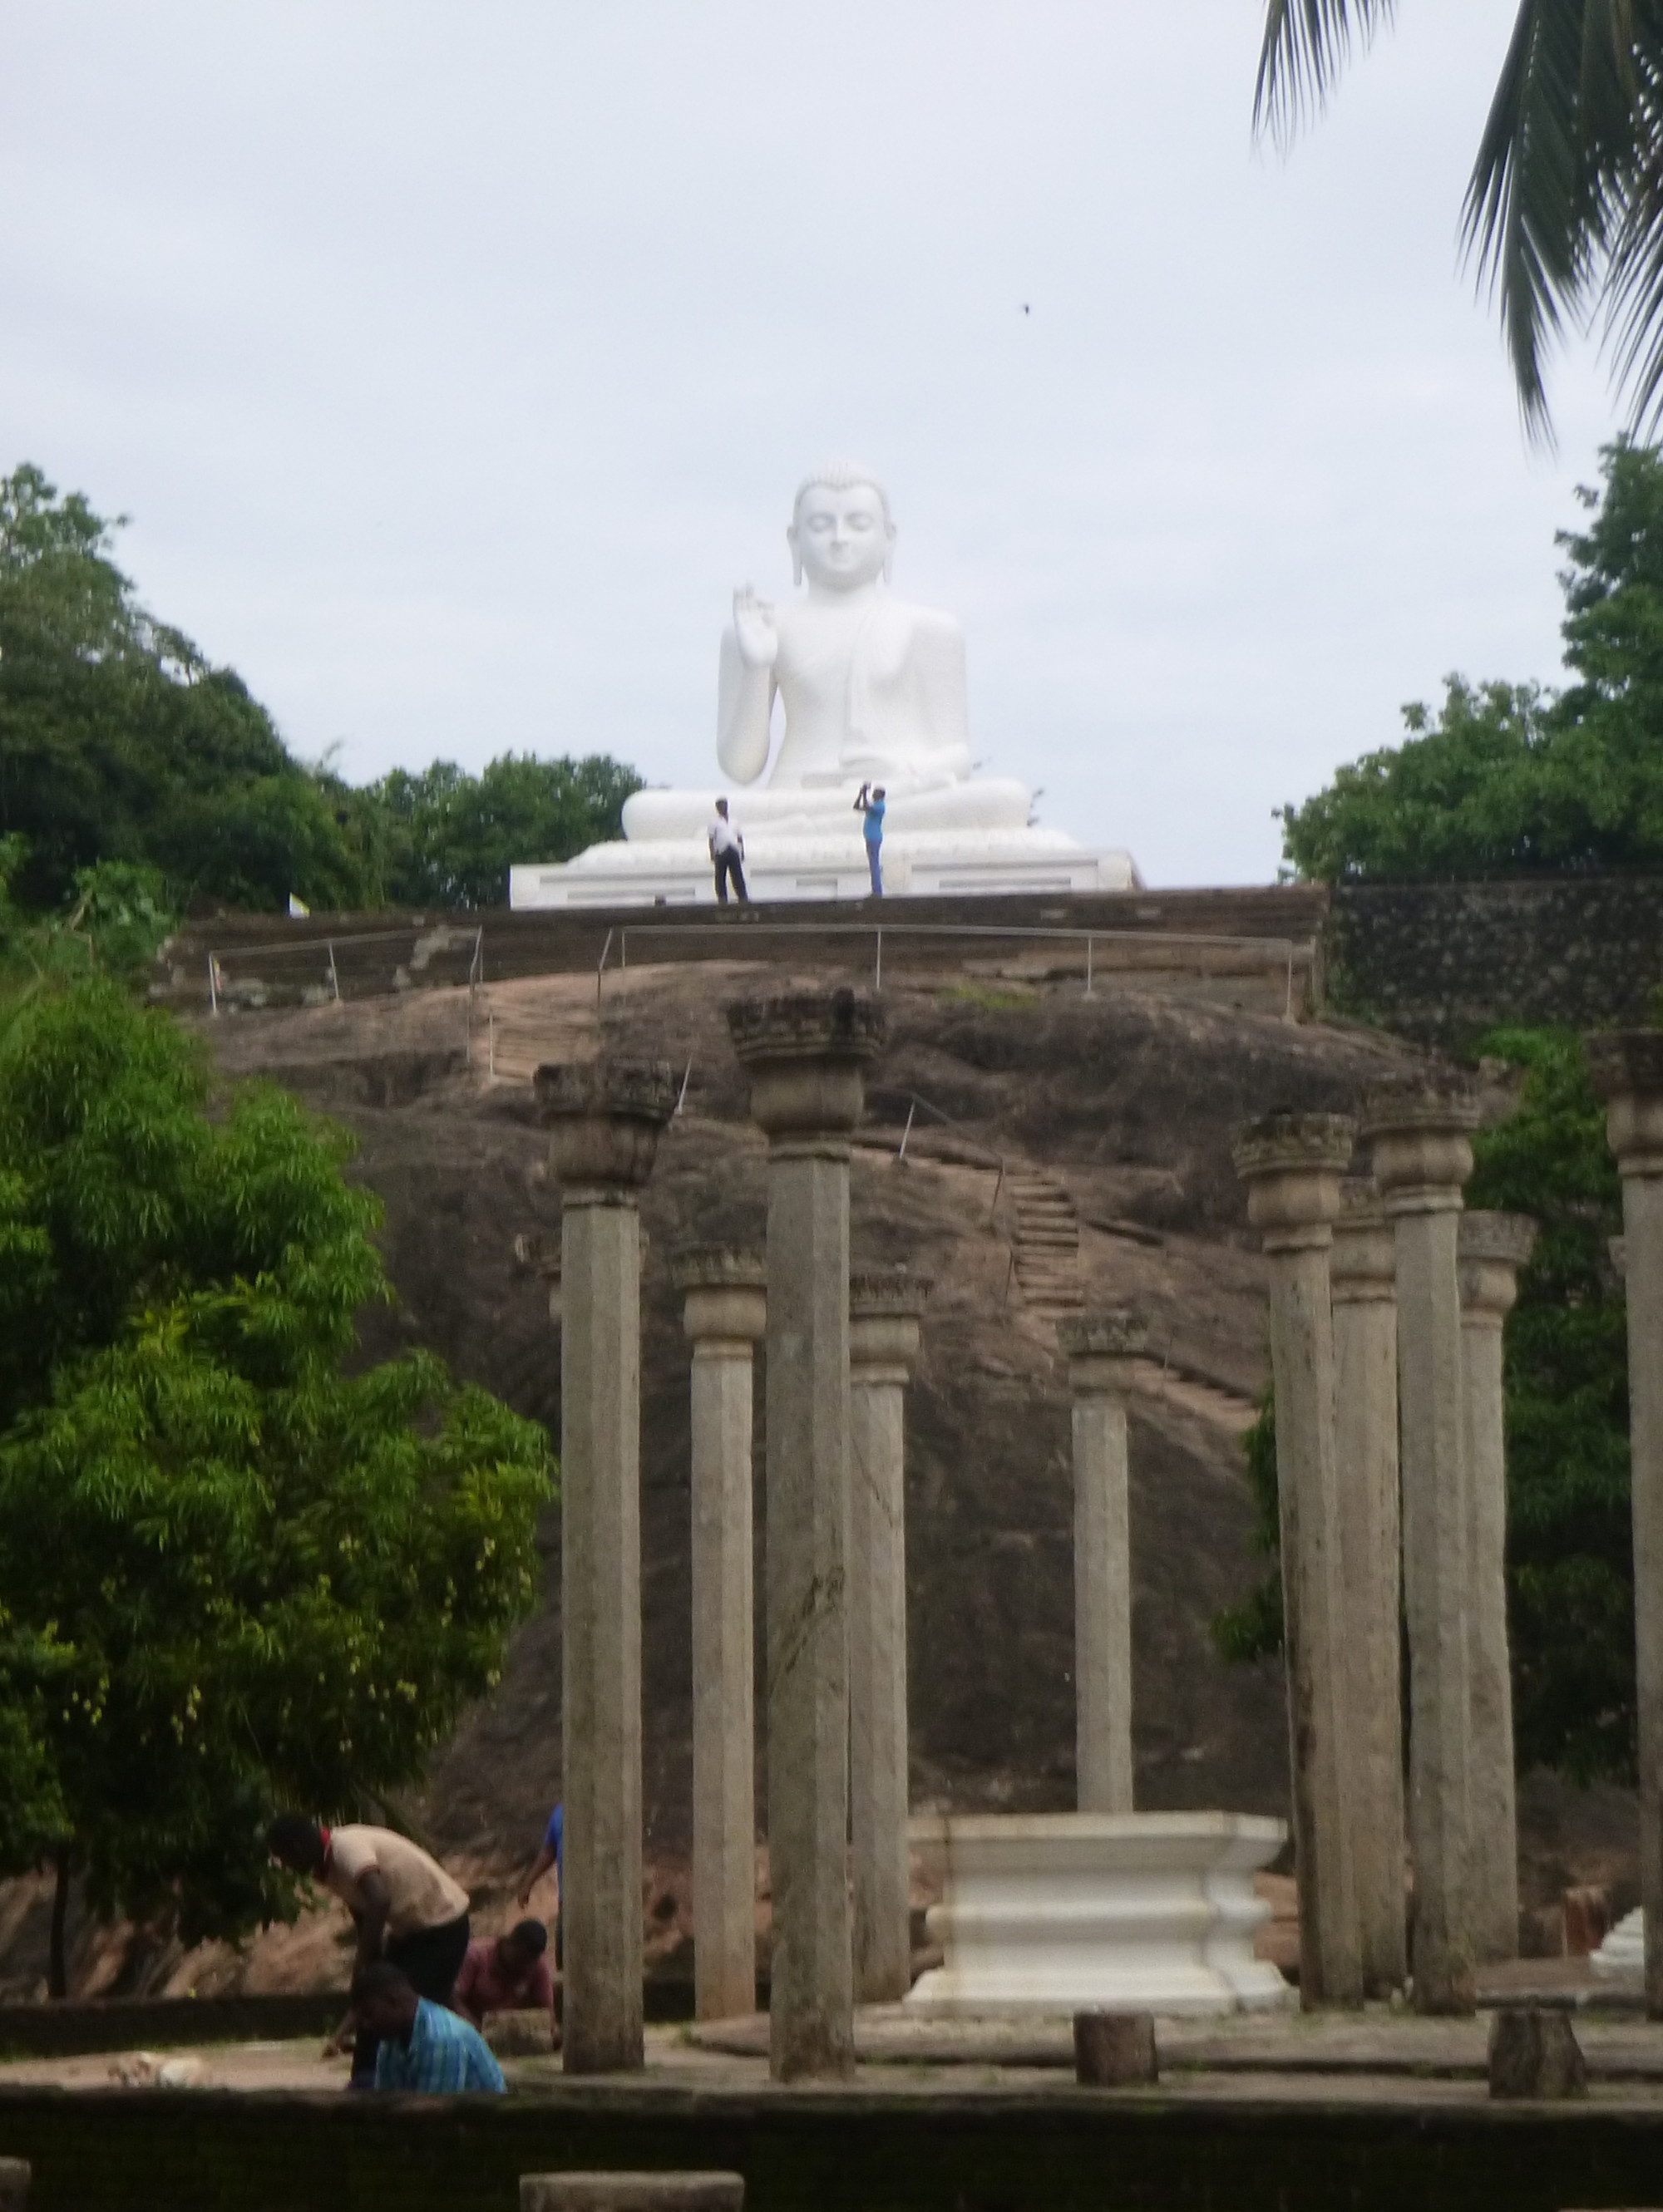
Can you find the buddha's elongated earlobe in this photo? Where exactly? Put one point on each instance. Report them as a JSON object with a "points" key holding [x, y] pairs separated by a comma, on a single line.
{"points": [[796, 557]]}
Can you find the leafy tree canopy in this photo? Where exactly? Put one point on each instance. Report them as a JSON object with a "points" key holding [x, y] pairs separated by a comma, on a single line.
{"points": [[450, 838], [1507, 779], [122, 745], [234, 1571]]}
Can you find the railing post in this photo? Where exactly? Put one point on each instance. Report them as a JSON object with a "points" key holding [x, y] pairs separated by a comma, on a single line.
{"points": [[334, 980], [912, 1109], [213, 985], [1088, 964], [682, 1093], [601, 969]]}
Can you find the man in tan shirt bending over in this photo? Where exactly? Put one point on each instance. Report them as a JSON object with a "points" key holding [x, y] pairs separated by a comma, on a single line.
{"points": [[407, 1908]]}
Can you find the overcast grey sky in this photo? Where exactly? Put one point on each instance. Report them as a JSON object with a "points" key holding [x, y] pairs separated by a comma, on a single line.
{"points": [[454, 363]]}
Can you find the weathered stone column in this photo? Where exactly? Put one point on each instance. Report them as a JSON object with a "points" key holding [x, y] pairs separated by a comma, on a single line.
{"points": [[1100, 1349], [1292, 1164], [724, 1315], [1491, 1248], [884, 1307], [1363, 1273], [806, 1053], [1628, 1072], [603, 1120], [1419, 1127]]}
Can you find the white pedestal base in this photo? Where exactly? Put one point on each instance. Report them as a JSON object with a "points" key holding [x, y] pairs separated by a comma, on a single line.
{"points": [[677, 871], [1065, 1912], [1622, 1956]]}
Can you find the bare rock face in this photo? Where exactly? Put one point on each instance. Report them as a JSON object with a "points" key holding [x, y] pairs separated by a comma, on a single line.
{"points": [[1534, 2053]]}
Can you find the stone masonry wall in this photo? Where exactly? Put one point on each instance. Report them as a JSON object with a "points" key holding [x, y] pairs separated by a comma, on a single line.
{"points": [[1442, 963]]}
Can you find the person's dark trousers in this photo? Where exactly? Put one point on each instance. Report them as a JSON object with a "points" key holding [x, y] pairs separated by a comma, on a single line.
{"points": [[430, 1960], [874, 850], [727, 865]]}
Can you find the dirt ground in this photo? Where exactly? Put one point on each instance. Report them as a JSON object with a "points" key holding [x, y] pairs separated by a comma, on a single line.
{"points": [[1127, 1099]]}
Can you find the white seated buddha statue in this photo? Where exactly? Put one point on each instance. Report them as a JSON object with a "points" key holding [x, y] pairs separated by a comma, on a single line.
{"points": [[872, 692]]}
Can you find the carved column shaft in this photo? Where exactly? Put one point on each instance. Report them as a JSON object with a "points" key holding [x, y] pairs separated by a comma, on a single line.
{"points": [[603, 1121], [805, 1053], [1292, 1164], [724, 1315], [1364, 1275], [1490, 1249], [1100, 1349], [1628, 1071], [1422, 1158], [884, 1307]]}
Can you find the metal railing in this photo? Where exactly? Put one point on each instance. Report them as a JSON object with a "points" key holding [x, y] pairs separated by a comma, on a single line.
{"points": [[1285, 951]]}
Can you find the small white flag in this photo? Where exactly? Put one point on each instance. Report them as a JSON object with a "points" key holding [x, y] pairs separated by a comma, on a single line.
{"points": [[297, 908]]}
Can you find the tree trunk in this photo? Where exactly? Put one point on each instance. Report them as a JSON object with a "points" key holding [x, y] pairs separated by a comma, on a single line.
{"points": [[58, 1980]]}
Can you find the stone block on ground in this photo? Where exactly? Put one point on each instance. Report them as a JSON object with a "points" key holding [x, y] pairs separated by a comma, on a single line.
{"points": [[631, 2192], [1113, 2049], [14, 2184], [521, 2035], [1535, 2053]]}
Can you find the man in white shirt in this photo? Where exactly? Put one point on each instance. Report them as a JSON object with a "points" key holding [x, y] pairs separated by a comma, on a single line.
{"points": [[727, 855], [405, 1907]]}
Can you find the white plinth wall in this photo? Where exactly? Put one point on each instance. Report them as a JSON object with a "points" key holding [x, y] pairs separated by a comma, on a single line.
{"points": [[1063, 1913], [677, 872]]}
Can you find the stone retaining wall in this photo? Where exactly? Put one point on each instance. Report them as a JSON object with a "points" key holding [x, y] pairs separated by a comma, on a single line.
{"points": [[922, 2150], [1442, 963]]}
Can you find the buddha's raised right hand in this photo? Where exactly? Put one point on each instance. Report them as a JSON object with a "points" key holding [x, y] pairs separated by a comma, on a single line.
{"points": [[753, 626]]}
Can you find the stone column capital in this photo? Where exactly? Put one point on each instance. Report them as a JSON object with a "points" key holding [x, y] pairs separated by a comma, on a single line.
{"points": [[603, 1118], [1362, 1268], [725, 1293], [1627, 1068], [1491, 1248], [1102, 1350], [1292, 1164], [884, 1307], [806, 1053], [1420, 1127]]}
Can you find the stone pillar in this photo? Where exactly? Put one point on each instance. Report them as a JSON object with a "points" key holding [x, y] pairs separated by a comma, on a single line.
{"points": [[1491, 1248], [603, 1120], [884, 1307], [1362, 1270], [1628, 1072], [1100, 1349], [724, 1315], [1292, 1164], [805, 1053], [1419, 1127]]}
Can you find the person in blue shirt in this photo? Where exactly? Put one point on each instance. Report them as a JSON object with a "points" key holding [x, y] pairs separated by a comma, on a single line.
{"points": [[553, 1854], [871, 804], [424, 2051]]}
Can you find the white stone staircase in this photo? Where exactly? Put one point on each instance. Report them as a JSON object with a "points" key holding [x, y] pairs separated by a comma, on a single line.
{"points": [[1046, 1245]]}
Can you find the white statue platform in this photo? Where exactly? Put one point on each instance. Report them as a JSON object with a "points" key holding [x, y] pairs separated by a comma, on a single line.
{"points": [[871, 690], [1065, 1912]]}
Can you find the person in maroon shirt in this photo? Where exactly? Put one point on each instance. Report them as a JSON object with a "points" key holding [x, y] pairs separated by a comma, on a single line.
{"points": [[505, 1973]]}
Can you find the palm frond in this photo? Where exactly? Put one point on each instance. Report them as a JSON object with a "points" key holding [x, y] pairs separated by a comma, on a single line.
{"points": [[1306, 44], [1633, 289], [1546, 190]]}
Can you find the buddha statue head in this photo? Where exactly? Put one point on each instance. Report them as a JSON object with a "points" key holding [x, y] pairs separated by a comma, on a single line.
{"points": [[841, 535]]}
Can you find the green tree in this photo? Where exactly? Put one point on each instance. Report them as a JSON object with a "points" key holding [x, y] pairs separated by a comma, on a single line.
{"points": [[120, 742], [450, 838], [259, 1573], [1507, 779], [1570, 1564], [1564, 208]]}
